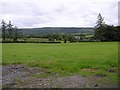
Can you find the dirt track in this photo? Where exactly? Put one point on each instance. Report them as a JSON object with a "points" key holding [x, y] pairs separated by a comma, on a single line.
{"points": [[19, 76]]}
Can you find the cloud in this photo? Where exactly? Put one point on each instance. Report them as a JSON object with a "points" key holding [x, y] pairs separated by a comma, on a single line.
{"points": [[119, 13], [58, 13]]}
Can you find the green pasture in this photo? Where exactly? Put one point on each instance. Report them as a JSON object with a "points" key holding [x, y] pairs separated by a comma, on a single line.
{"points": [[36, 39], [65, 59]]}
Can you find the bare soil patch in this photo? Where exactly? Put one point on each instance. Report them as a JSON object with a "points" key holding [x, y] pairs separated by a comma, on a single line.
{"points": [[89, 69], [20, 76]]}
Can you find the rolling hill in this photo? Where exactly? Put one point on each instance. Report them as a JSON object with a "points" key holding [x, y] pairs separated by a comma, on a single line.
{"points": [[51, 30]]}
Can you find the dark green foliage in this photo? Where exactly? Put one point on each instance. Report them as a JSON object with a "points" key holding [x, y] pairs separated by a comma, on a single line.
{"points": [[10, 30], [117, 33], [107, 33], [3, 30], [104, 32], [9, 33], [72, 39], [65, 41], [15, 35]]}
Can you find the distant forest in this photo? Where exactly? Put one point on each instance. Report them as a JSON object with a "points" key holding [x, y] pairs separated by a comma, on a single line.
{"points": [[51, 30]]}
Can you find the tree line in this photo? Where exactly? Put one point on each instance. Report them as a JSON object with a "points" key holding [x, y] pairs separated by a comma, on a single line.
{"points": [[102, 32], [9, 32]]}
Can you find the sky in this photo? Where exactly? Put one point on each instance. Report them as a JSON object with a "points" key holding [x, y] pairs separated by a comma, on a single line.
{"points": [[58, 13]]}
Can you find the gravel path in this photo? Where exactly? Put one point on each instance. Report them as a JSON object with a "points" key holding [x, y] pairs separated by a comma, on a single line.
{"points": [[19, 76]]}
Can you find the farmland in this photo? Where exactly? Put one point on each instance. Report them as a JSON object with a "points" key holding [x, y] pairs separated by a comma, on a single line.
{"points": [[65, 59]]}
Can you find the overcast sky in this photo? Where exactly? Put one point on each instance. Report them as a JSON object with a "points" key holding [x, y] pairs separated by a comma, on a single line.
{"points": [[58, 13]]}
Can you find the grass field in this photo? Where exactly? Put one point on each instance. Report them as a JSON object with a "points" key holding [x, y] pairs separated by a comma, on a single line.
{"points": [[86, 58]]}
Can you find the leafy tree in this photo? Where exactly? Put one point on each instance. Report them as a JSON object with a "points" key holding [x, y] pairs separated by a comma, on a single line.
{"points": [[4, 25], [108, 33], [100, 20], [15, 38], [82, 36], [99, 28], [71, 38], [117, 33], [65, 37], [10, 30], [104, 32]]}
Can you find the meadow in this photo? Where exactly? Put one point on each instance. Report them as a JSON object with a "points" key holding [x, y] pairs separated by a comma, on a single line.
{"points": [[85, 58]]}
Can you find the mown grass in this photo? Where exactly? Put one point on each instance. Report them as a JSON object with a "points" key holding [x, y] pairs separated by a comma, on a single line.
{"points": [[64, 59]]}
